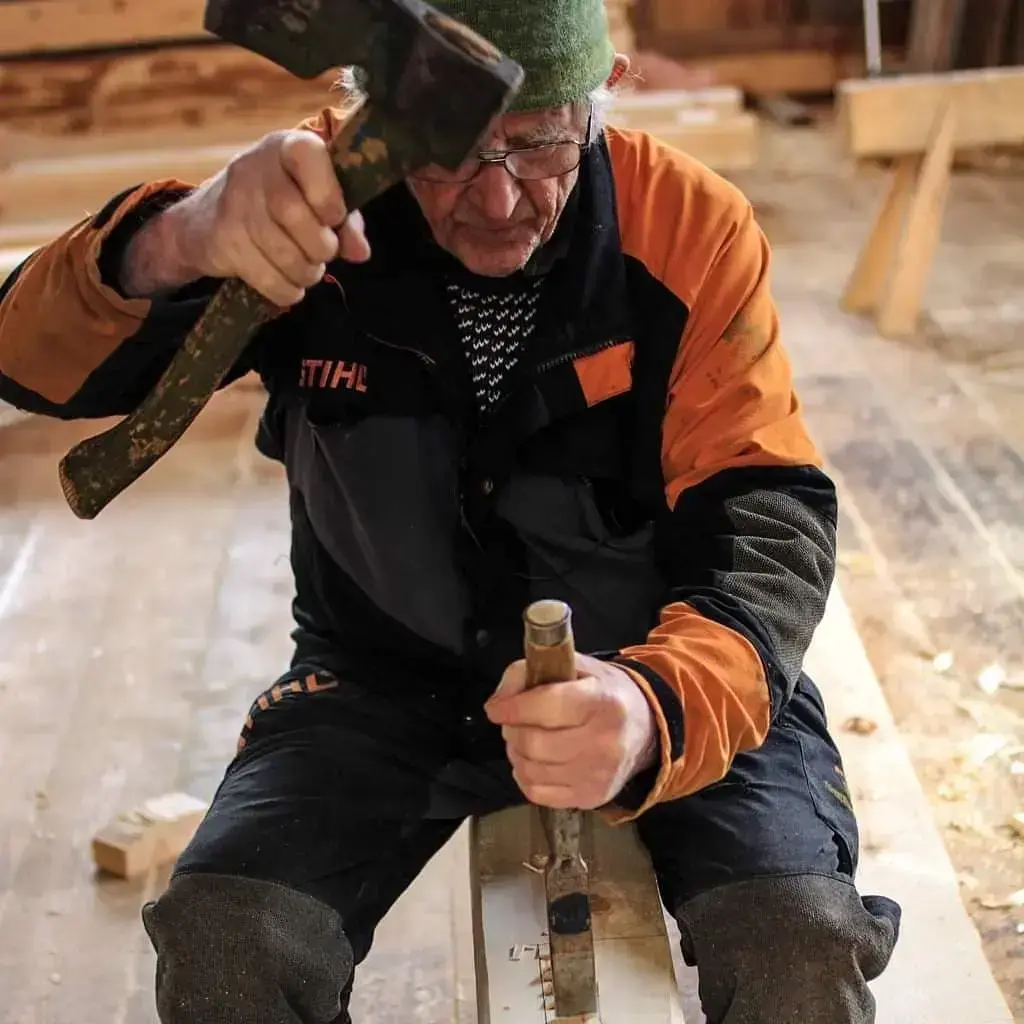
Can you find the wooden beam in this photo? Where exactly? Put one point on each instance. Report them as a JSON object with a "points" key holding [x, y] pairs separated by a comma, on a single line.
{"points": [[685, 45], [894, 117], [42, 26], [644, 108], [775, 71], [635, 974], [177, 88], [41, 197], [73, 189], [722, 143], [898, 311]]}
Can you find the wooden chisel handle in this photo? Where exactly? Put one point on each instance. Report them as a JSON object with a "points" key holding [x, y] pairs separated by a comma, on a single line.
{"points": [[550, 648], [551, 658], [369, 157]]}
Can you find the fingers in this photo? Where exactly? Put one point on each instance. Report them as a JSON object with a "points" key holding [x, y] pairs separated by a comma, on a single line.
{"points": [[352, 239], [291, 261], [546, 746], [552, 706], [558, 797], [261, 273], [547, 786], [307, 162]]}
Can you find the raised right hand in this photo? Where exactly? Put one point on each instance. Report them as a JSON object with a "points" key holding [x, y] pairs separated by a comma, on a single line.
{"points": [[274, 217]]}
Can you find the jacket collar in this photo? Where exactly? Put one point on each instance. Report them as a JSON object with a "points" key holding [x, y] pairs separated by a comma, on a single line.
{"points": [[400, 290]]}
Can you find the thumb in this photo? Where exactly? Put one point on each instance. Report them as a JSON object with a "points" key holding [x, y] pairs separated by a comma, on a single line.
{"points": [[513, 682]]}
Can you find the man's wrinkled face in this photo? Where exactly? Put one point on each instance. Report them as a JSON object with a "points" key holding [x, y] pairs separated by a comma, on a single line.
{"points": [[494, 221]]}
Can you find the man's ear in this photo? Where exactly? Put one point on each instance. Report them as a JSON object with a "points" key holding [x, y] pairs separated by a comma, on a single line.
{"points": [[619, 69]]}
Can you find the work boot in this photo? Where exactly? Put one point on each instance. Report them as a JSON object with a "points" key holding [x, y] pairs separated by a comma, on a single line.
{"points": [[239, 951]]}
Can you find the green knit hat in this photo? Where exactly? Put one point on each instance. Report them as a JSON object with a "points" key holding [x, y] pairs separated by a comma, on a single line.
{"points": [[563, 45]]}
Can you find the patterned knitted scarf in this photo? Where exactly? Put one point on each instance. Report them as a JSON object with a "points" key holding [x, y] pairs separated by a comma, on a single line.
{"points": [[495, 327]]}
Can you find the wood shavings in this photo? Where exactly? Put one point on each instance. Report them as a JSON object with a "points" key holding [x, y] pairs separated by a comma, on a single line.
{"points": [[860, 726], [1017, 824], [990, 679], [943, 661], [858, 563], [1012, 902], [982, 748], [954, 789]]}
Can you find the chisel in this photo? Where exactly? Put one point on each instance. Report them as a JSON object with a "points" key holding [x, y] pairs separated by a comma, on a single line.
{"points": [[550, 658]]}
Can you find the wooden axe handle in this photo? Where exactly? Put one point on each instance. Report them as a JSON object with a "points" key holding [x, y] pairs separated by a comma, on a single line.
{"points": [[98, 469]]}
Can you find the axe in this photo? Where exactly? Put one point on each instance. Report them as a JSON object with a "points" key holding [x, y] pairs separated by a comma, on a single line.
{"points": [[432, 89]]}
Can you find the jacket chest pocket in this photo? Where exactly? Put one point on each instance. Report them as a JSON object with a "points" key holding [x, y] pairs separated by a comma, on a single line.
{"points": [[586, 539]]}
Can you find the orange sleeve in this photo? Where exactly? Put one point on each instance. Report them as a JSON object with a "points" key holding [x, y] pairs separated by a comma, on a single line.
{"points": [[61, 319], [731, 416]]}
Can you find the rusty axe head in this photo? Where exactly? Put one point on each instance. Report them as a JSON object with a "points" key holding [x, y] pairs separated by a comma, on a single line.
{"points": [[440, 81]]}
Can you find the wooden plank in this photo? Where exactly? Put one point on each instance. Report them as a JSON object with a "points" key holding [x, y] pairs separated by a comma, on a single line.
{"points": [[874, 263], [894, 117], [41, 26], [649, 104], [897, 315], [46, 189], [40, 198], [636, 976], [173, 87], [681, 44], [723, 144], [778, 71]]}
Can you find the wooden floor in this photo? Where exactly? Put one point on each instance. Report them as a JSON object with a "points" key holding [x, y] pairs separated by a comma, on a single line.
{"points": [[130, 647]]}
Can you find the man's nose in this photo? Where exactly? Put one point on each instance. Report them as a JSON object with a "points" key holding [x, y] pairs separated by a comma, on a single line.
{"points": [[497, 192]]}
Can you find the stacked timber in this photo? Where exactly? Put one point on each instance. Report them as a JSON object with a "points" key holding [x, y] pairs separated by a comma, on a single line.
{"points": [[709, 124], [764, 47], [100, 95]]}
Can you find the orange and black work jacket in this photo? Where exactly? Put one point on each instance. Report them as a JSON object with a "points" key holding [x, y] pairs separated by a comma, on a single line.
{"points": [[648, 462]]}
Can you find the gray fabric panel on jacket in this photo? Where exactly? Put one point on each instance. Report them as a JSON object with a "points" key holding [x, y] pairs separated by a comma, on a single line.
{"points": [[382, 497], [783, 564], [610, 580]]}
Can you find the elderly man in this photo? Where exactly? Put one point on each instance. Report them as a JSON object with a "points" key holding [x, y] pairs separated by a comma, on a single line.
{"points": [[555, 372]]}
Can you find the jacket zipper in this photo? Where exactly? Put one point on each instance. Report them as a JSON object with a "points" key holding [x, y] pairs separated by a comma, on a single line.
{"points": [[580, 353]]}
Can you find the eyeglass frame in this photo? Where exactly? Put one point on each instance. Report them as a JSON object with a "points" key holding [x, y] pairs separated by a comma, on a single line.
{"points": [[500, 156]]}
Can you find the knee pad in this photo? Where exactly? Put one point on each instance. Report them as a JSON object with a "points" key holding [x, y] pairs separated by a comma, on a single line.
{"points": [[796, 948], [240, 951]]}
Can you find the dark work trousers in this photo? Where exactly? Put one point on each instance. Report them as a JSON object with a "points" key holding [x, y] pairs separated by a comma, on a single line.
{"points": [[341, 793]]}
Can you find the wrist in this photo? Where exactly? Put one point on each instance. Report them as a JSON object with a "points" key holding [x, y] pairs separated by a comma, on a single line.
{"points": [[649, 754], [157, 259]]}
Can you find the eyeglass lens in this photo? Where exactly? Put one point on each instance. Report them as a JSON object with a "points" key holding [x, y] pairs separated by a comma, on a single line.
{"points": [[530, 164]]}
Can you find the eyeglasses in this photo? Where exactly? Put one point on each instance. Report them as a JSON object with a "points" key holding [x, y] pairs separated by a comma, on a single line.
{"points": [[530, 163]]}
